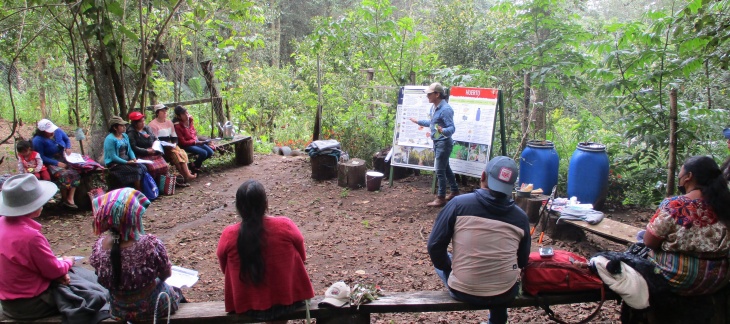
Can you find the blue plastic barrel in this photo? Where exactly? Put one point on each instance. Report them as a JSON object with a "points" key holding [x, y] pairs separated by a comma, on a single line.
{"points": [[588, 174], [539, 164]]}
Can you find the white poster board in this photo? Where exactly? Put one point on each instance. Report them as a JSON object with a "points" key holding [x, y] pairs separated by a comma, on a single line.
{"points": [[475, 111]]}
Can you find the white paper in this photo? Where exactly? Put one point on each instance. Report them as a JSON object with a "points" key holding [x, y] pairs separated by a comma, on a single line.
{"points": [[76, 258], [182, 277], [157, 146], [164, 143], [74, 158], [143, 161]]}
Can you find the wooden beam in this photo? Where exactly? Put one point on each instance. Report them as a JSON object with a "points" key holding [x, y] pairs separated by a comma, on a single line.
{"points": [[184, 103]]}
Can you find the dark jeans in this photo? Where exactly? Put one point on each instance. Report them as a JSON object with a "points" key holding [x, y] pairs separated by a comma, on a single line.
{"points": [[442, 149], [497, 305], [202, 151]]}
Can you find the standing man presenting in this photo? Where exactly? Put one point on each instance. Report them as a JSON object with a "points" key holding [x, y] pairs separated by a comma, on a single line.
{"points": [[490, 239], [442, 127]]}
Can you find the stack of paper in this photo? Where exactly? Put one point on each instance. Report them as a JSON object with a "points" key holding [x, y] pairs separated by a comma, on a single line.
{"points": [[75, 158], [182, 277]]}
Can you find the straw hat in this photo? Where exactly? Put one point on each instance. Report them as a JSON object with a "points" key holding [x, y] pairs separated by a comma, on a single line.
{"points": [[23, 194]]}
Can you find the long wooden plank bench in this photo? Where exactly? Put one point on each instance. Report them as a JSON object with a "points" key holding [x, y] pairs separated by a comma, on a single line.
{"points": [[609, 228], [400, 302]]}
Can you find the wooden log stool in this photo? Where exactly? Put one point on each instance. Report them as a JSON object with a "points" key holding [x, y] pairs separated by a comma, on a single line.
{"points": [[324, 167], [531, 205], [351, 174]]}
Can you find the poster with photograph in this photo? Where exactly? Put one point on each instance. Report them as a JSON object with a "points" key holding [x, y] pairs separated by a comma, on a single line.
{"points": [[475, 111]]}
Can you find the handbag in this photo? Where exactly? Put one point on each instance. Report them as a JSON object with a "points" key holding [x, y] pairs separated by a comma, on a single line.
{"points": [[167, 184], [558, 274], [149, 187]]}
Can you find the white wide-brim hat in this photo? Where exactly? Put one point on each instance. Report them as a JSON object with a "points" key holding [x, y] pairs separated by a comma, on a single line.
{"points": [[23, 194]]}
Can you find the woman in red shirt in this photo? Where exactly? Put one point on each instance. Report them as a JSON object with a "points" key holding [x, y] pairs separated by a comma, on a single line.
{"points": [[262, 258], [187, 138]]}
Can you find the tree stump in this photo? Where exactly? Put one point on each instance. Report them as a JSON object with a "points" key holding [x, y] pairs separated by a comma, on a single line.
{"points": [[531, 206], [351, 174], [244, 152], [324, 167], [562, 231], [383, 167]]}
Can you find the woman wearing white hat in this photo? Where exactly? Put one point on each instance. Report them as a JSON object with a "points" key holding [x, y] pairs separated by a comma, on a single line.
{"points": [[51, 143], [26, 259]]}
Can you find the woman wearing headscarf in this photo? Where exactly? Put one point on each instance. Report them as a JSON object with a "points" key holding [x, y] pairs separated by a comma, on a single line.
{"points": [[141, 139], [29, 266], [131, 264], [262, 258], [53, 144], [188, 138], [119, 157]]}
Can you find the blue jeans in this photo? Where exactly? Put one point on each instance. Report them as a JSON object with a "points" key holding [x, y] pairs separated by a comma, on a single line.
{"points": [[497, 305], [442, 149], [202, 151]]}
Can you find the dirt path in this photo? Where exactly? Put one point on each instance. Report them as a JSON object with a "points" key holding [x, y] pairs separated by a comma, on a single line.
{"points": [[351, 235]]}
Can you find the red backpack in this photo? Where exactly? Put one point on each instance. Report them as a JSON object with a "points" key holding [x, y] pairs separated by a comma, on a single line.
{"points": [[557, 274]]}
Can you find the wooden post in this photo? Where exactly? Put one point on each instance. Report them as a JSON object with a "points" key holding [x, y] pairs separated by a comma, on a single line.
{"points": [[526, 111], [244, 151], [672, 163], [318, 117]]}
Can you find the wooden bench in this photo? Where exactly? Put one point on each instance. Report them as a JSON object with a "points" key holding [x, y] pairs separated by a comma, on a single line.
{"points": [[610, 229], [400, 302], [242, 149]]}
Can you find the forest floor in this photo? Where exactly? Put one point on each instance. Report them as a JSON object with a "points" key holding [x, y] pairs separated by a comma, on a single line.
{"points": [[351, 235]]}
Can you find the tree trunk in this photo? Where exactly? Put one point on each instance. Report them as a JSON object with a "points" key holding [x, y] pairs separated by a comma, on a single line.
{"points": [[351, 174], [207, 67], [540, 125], [526, 111], [672, 163], [41, 68]]}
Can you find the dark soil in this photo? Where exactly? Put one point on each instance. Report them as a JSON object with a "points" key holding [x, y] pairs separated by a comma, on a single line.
{"points": [[351, 235]]}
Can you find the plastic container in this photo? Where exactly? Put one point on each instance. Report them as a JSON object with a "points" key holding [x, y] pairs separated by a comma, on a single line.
{"points": [[373, 179], [588, 174], [539, 164]]}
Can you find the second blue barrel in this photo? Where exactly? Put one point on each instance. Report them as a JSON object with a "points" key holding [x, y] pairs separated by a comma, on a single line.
{"points": [[588, 174], [539, 164]]}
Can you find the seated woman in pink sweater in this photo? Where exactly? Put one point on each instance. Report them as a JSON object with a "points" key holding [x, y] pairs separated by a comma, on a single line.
{"points": [[262, 258], [28, 266]]}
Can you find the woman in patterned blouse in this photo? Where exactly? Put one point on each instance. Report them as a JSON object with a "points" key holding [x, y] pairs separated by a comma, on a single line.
{"points": [[689, 233], [131, 264]]}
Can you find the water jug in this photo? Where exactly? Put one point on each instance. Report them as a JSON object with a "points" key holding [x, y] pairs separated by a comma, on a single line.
{"points": [[226, 129]]}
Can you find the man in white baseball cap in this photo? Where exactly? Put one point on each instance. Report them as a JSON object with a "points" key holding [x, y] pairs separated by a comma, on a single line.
{"points": [[490, 237]]}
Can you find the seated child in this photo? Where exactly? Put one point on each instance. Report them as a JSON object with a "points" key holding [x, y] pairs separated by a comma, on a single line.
{"points": [[30, 161]]}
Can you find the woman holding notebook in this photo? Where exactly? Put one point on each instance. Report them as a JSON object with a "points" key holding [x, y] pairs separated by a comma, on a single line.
{"points": [[141, 139]]}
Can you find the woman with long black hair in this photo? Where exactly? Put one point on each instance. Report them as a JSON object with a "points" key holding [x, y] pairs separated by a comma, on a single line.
{"points": [[262, 258], [131, 264], [689, 233]]}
